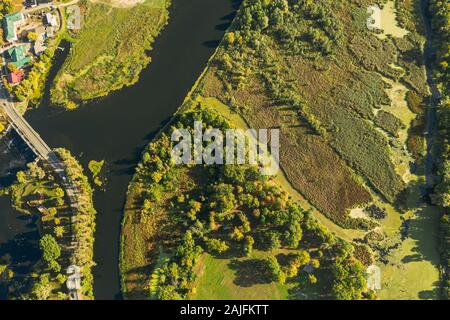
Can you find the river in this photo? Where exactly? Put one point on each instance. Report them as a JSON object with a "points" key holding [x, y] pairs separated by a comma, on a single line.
{"points": [[117, 128]]}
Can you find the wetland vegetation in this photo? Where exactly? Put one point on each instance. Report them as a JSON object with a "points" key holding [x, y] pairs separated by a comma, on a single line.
{"points": [[351, 106], [110, 50], [358, 188]]}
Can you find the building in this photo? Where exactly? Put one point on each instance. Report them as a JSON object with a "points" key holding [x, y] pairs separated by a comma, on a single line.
{"points": [[18, 57], [10, 24], [31, 3], [15, 77], [73, 281], [51, 19], [39, 47], [308, 268]]}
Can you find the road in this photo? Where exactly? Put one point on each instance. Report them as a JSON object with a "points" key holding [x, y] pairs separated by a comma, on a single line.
{"points": [[435, 98], [31, 137], [49, 5], [42, 150]]}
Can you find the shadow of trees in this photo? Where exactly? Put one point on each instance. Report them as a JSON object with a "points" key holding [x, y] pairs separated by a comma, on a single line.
{"points": [[250, 272], [424, 230]]}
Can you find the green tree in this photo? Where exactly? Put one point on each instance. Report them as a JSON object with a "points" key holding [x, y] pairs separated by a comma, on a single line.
{"points": [[59, 231], [275, 271], [32, 36], [168, 293], [42, 289], [216, 246], [349, 279], [50, 248], [59, 192], [273, 240], [248, 245], [6, 7]]}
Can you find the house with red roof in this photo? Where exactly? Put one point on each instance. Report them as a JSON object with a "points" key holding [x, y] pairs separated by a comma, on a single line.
{"points": [[15, 77]]}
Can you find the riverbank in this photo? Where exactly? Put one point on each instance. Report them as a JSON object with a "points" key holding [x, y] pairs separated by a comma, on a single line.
{"points": [[30, 91], [388, 77], [110, 51], [149, 104], [238, 218], [64, 209]]}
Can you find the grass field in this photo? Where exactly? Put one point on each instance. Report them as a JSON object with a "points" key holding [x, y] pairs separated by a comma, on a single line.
{"points": [[309, 163], [217, 281], [413, 268], [238, 279], [110, 50]]}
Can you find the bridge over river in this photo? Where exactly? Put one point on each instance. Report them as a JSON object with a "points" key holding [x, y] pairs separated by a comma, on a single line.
{"points": [[44, 153], [26, 132]]}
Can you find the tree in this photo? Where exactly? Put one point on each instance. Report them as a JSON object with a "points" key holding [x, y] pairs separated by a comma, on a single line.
{"points": [[41, 290], [59, 192], [275, 270], [237, 234], [172, 273], [32, 36], [301, 258], [248, 245], [195, 208], [168, 293], [12, 67], [6, 7], [273, 240], [54, 266], [50, 248], [52, 211], [188, 252], [230, 38], [147, 205], [349, 279], [312, 278], [315, 263], [59, 231], [217, 246], [59, 202]]}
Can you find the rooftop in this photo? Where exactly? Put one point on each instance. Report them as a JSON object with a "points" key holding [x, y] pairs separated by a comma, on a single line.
{"points": [[9, 24], [15, 77], [18, 57]]}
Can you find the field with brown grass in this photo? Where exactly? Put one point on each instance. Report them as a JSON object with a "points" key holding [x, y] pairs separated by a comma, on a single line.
{"points": [[342, 92]]}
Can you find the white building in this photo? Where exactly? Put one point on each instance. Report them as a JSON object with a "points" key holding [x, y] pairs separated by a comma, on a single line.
{"points": [[51, 19]]}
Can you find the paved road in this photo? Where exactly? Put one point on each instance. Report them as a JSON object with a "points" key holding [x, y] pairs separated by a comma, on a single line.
{"points": [[42, 150], [31, 137]]}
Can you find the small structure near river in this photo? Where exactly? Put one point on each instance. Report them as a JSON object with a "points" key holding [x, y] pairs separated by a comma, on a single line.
{"points": [[73, 281]]}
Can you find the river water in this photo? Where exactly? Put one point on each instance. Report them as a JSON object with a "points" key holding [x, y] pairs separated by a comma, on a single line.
{"points": [[117, 128]]}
